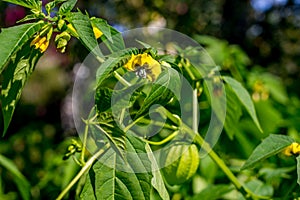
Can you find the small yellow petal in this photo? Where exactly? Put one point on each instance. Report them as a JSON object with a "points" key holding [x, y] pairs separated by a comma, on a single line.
{"points": [[97, 32], [72, 30], [44, 46], [130, 63], [35, 40]]}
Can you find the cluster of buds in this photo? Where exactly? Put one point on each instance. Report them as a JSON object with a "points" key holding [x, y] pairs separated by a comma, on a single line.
{"points": [[260, 92], [61, 41], [41, 40]]}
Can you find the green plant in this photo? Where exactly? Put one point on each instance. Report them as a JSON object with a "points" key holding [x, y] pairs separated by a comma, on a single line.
{"points": [[123, 164]]}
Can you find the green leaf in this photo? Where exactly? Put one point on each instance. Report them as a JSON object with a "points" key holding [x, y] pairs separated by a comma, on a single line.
{"points": [[30, 17], [167, 83], [21, 182], [108, 130], [111, 64], [244, 98], [103, 26], [83, 26], [52, 4], [260, 189], [32, 4], [13, 38], [106, 181], [157, 180], [298, 169], [270, 146], [67, 6], [213, 192], [14, 79], [103, 99], [233, 113]]}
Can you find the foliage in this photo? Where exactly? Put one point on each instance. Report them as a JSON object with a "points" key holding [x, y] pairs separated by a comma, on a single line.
{"points": [[124, 164]]}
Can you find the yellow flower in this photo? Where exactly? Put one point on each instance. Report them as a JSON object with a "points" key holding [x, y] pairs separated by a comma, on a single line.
{"points": [[40, 43], [144, 66], [293, 149], [41, 40]]}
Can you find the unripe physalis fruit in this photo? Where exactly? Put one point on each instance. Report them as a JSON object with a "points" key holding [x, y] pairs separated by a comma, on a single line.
{"points": [[181, 162], [61, 41]]}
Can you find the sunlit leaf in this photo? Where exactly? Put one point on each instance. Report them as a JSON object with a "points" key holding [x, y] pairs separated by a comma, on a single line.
{"points": [[270, 146], [244, 98], [157, 180], [233, 113], [83, 27], [14, 79], [67, 6], [32, 4], [13, 38]]}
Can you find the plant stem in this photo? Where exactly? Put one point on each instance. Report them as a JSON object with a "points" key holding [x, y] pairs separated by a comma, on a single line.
{"points": [[167, 139], [83, 170], [86, 130]]}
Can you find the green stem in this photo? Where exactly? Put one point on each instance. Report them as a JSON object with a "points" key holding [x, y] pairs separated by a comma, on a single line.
{"points": [[83, 170], [167, 139], [156, 123], [86, 130], [85, 135], [121, 79]]}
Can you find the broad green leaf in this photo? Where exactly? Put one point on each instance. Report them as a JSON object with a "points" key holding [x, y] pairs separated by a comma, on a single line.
{"points": [[32, 4], [233, 113], [260, 189], [29, 17], [14, 79], [103, 99], [106, 68], [67, 6], [103, 26], [124, 98], [157, 180], [118, 100], [270, 146], [167, 83], [83, 26], [106, 180], [213, 192], [244, 98], [52, 4], [13, 38], [298, 169], [117, 43], [107, 129], [21, 182]]}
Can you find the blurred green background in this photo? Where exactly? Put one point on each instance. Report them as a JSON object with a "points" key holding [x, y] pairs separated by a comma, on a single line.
{"points": [[256, 40]]}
